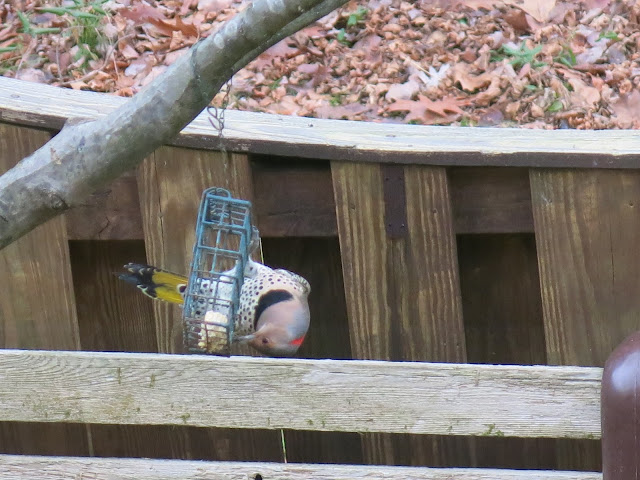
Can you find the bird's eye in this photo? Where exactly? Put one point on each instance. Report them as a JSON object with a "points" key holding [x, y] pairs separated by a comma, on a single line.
{"points": [[265, 340]]}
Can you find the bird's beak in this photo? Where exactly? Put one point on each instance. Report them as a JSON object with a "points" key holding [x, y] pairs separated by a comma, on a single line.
{"points": [[244, 339]]}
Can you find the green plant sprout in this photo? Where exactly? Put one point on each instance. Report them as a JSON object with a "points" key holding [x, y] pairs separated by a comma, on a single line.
{"points": [[609, 35], [30, 29], [519, 56], [566, 57], [357, 16], [556, 106]]}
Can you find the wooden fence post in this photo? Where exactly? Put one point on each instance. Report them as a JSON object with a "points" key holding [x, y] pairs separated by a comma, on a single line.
{"points": [[621, 412]]}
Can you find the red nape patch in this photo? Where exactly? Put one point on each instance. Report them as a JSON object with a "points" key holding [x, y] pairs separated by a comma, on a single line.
{"points": [[297, 342]]}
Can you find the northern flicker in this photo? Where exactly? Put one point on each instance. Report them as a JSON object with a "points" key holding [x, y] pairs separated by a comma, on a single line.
{"points": [[273, 314]]}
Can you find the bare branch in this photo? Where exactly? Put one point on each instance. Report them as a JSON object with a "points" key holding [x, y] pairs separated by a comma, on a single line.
{"points": [[87, 155]]}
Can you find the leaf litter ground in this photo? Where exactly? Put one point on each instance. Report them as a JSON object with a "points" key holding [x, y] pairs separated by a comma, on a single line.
{"points": [[529, 63]]}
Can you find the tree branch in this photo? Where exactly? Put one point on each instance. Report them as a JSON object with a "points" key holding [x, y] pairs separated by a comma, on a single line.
{"points": [[87, 155]]}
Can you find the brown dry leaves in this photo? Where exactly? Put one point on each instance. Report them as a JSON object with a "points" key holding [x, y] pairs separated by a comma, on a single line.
{"points": [[532, 63]]}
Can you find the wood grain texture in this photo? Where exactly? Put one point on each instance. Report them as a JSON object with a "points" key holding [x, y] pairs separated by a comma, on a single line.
{"points": [[56, 468], [112, 213], [112, 314], [491, 200], [403, 297], [501, 299], [171, 183], [293, 198], [181, 442], [484, 200], [587, 232], [37, 305], [318, 260], [46, 106], [503, 325], [322, 395]]}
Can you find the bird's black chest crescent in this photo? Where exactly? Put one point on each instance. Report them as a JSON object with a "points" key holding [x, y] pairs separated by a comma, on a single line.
{"points": [[269, 298]]}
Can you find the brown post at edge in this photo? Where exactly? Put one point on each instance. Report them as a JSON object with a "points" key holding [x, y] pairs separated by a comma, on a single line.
{"points": [[621, 412]]}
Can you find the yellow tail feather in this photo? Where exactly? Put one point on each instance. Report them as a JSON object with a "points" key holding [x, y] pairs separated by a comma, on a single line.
{"points": [[156, 283], [169, 286]]}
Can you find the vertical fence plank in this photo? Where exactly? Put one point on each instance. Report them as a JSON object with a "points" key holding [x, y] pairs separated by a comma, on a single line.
{"points": [[37, 306], [318, 260], [402, 293], [171, 183], [114, 316], [503, 325], [587, 231], [501, 299]]}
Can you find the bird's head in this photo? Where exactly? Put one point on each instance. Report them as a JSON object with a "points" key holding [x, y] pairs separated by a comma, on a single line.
{"points": [[281, 325]]}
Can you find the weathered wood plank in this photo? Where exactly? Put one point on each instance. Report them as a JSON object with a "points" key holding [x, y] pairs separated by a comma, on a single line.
{"points": [[37, 305], [503, 325], [318, 260], [57, 468], [113, 316], [390, 283], [587, 232], [484, 200], [37, 270], [45, 106], [323, 395], [402, 293], [501, 299], [171, 184], [112, 213], [293, 198], [491, 200]]}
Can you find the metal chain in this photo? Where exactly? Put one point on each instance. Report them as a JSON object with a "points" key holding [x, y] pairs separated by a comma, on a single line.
{"points": [[216, 114]]}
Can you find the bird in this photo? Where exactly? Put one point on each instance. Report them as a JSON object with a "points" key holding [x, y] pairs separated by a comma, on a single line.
{"points": [[273, 315]]}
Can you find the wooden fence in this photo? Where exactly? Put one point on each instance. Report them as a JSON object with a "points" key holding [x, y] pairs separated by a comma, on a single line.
{"points": [[423, 244]]}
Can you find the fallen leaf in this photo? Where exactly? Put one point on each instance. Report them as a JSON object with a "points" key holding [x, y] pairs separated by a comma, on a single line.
{"points": [[583, 95], [492, 92], [342, 112], [538, 9], [167, 27], [129, 52], [468, 82], [31, 75], [518, 20], [626, 109], [213, 5], [427, 111], [141, 13], [404, 91]]}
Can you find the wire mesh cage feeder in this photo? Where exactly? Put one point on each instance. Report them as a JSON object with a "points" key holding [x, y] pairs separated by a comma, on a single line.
{"points": [[220, 253]]}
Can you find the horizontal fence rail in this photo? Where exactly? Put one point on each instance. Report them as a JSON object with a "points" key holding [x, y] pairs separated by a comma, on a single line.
{"points": [[325, 395], [63, 468], [49, 107]]}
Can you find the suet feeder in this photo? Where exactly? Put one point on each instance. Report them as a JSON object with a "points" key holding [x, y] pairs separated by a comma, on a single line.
{"points": [[220, 253]]}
